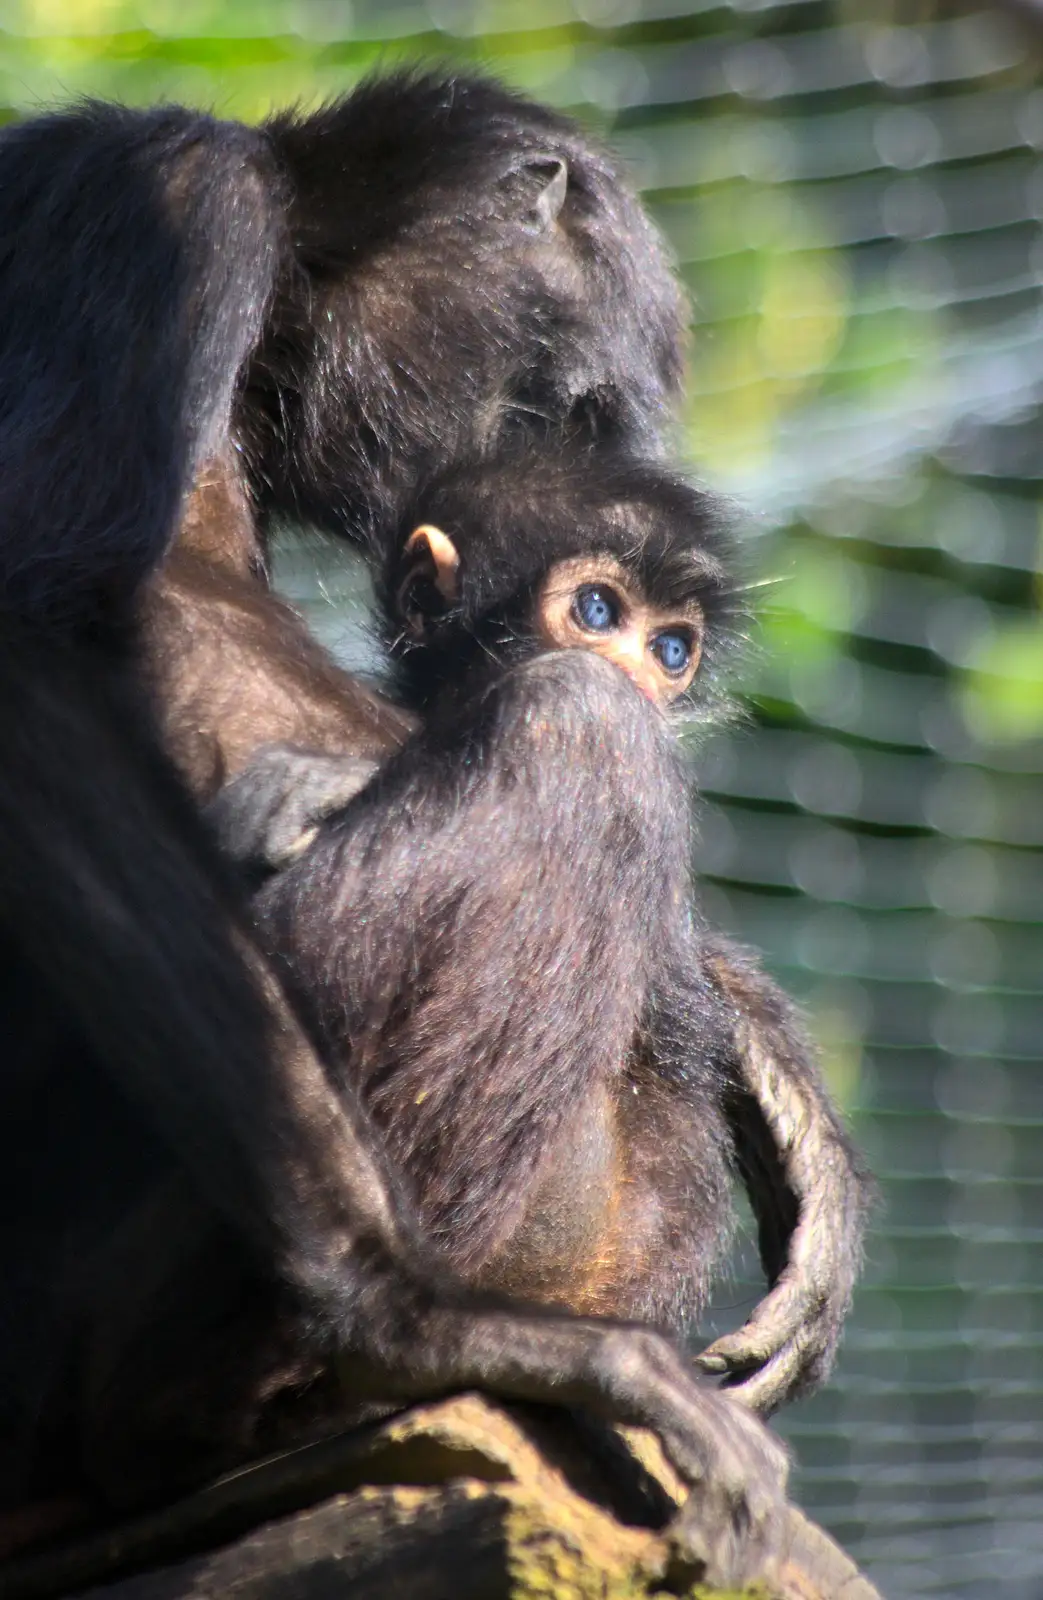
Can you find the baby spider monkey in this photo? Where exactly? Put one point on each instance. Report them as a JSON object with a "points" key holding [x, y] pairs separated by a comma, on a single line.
{"points": [[563, 1058]]}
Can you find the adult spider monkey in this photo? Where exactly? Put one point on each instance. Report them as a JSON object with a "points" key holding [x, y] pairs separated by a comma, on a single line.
{"points": [[190, 1215], [599, 1146]]}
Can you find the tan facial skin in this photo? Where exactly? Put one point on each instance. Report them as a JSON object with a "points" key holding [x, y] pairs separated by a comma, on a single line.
{"points": [[591, 603]]}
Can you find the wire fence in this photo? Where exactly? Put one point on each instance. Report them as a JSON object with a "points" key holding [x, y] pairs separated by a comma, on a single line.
{"points": [[854, 192]]}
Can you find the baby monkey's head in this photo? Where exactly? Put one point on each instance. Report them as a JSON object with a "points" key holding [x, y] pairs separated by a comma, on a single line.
{"points": [[499, 561]]}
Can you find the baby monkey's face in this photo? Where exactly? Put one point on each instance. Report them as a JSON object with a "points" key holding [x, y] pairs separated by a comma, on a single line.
{"points": [[589, 602], [594, 603]]}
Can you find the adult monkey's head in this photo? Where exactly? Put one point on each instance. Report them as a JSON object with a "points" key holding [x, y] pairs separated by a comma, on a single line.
{"points": [[461, 264]]}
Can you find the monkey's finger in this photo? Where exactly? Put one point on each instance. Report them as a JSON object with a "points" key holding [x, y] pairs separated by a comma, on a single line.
{"points": [[294, 822], [724, 1545], [779, 1318], [295, 848], [732, 1524], [269, 814], [792, 1372]]}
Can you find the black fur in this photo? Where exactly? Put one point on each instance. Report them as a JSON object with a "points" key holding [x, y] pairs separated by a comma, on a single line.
{"points": [[137, 255], [380, 286], [497, 276], [179, 1139]]}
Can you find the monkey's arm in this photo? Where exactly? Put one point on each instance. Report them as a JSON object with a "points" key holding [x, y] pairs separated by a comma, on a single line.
{"points": [[251, 675], [808, 1187]]}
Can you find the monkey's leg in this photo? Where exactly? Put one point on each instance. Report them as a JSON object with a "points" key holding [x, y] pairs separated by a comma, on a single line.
{"points": [[810, 1192], [188, 1384]]}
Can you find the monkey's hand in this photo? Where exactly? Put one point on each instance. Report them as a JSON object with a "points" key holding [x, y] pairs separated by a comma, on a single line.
{"points": [[732, 1528], [269, 813], [809, 1191]]}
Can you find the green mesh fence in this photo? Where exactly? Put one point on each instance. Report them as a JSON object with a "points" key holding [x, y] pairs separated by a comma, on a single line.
{"points": [[855, 194]]}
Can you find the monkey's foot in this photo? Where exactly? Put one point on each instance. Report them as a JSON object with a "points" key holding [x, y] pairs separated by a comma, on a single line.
{"points": [[788, 1346]]}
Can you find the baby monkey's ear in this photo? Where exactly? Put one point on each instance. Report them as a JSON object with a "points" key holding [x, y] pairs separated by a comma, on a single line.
{"points": [[430, 585]]}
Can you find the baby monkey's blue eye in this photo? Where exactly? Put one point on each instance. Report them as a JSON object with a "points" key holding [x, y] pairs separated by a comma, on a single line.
{"points": [[596, 608], [673, 651]]}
